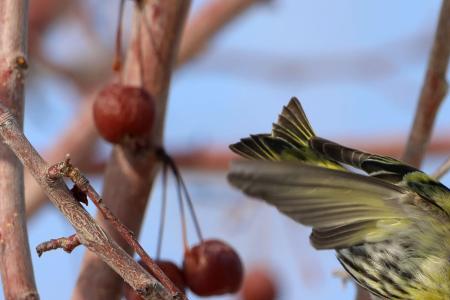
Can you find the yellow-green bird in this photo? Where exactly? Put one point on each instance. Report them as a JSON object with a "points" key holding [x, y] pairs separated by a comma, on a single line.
{"points": [[390, 228]]}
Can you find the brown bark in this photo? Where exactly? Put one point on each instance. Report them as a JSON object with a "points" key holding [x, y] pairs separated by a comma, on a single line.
{"points": [[89, 233], [129, 173], [15, 260], [433, 91]]}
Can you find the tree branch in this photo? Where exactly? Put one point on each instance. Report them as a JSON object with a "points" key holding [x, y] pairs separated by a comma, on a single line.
{"points": [[88, 231], [129, 174], [433, 91], [84, 189], [15, 260]]}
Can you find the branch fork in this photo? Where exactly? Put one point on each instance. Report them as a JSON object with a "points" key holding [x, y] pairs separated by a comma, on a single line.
{"points": [[83, 188]]}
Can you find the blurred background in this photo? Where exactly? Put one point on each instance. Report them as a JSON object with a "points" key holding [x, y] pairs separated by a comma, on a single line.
{"points": [[356, 66]]}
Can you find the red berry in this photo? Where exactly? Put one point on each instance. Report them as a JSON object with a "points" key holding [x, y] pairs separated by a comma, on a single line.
{"points": [[123, 111], [259, 284], [212, 268], [169, 268]]}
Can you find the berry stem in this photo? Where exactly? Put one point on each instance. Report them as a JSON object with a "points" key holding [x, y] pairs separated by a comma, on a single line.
{"points": [[167, 159], [182, 213], [191, 208], [162, 220]]}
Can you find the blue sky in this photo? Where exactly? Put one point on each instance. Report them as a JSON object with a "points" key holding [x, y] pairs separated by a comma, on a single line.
{"points": [[357, 67]]}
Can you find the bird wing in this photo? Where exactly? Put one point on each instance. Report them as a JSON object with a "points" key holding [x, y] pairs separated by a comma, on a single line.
{"points": [[343, 208]]}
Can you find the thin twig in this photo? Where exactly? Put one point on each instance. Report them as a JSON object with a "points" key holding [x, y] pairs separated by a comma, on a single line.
{"points": [[16, 269], [88, 231], [433, 91], [66, 169], [65, 243]]}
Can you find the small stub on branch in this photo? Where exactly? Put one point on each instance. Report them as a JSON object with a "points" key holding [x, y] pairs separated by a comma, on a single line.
{"points": [[65, 243], [21, 62]]}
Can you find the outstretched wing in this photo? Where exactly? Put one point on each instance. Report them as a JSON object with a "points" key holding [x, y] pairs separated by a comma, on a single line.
{"points": [[343, 208]]}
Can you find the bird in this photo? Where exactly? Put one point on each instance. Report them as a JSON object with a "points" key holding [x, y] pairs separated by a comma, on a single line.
{"points": [[389, 222]]}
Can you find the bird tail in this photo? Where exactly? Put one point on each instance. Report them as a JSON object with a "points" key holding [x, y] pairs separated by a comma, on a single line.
{"points": [[293, 125], [290, 140]]}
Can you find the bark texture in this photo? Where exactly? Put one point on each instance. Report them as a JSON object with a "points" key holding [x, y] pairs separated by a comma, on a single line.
{"points": [[15, 260]]}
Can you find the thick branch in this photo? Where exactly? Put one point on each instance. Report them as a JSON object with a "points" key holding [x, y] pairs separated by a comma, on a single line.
{"points": [[129, 174], [88, 231], [15, 260], [433, 91]]}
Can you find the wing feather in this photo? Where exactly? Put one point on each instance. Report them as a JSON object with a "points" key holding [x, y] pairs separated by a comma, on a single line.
{"points": [[341, 206]]}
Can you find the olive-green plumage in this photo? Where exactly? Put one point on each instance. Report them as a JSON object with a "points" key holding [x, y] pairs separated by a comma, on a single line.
{"points": [[390, 228]]}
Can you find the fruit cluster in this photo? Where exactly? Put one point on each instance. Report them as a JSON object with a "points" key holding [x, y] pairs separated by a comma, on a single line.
{"points": [[210, 268]]}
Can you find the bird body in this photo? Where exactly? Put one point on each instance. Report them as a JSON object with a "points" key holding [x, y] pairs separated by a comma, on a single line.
{"points": [[390, 228]]}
